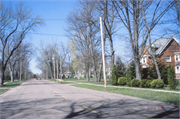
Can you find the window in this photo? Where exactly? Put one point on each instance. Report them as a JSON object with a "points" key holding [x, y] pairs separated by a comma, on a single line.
{"points": [[177, 69], [177, 58], [143, 60], [168, 58]]}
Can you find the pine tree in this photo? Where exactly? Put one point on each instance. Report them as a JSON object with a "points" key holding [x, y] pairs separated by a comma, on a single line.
{"points": [[113, 79], [132, 69], [117, 71], [171, 77], [128, 77]]}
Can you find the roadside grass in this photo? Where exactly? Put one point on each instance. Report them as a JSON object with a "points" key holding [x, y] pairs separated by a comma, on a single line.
{"points": [[12, 84], [75, 80], [3, 90], [8, 85], [152, 95]]}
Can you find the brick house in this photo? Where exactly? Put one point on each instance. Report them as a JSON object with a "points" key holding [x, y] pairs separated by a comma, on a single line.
{"points": [[166, 50]]}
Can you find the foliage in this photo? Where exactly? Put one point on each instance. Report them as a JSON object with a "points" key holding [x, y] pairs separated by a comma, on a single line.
{"points": [[135, 83], [63, 77], [171, 78], [144, 73], [34, 76], [128, 77], [7, 78], [118, 70], [122, 81], [113, 76], [157, 83], [132, 69], [152, 74], [145, 83]]}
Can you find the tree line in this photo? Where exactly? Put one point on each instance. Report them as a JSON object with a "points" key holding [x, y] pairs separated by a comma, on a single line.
{"points": [[136, 21], [15, 52]]}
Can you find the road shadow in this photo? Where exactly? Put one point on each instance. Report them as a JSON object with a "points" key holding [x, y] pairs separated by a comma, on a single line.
{"points": [[59, 107]]}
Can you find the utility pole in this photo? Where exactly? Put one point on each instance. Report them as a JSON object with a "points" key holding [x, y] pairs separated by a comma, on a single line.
{"points": [[54, 65], [20, 69], [69, 66], [60, 68], [57, 68], [103, 58]]}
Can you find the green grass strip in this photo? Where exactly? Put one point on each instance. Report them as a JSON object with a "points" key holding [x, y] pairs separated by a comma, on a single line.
{"points": [[12, 84], [152, 95], [3, 90]]}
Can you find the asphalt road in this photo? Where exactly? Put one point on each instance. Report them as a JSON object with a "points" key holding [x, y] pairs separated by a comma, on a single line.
{"points": [[42, 99]]}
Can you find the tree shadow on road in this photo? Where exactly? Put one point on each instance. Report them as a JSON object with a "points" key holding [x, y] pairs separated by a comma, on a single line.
{"points": [[59, 107]]}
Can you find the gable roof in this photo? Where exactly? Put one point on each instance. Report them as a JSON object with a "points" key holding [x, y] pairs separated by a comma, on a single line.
{"points": [[162, 43]]}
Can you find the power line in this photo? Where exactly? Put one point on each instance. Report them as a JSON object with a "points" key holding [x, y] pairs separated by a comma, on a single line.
{"points": [[47, 34], [49, 19], [41, 33]]}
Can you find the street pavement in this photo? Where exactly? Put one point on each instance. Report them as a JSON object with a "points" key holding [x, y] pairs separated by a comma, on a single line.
{"points": [[42, 99]]}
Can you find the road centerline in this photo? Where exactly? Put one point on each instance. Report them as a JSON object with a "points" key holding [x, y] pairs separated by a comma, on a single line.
{"points": [[90, 109], [64, 97]]}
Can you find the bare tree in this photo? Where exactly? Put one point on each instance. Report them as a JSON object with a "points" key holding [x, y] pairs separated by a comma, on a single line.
{"points": [[83, 33], [150, 24], [131, 15], [107, 11], [18, 22]]}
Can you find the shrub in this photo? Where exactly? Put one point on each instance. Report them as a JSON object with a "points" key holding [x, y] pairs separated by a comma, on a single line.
{"points": [[135, 83], [122, 81], [113, 76], [157, 83], [171, 78], [63, 77], [145, 83], [128, 77]]}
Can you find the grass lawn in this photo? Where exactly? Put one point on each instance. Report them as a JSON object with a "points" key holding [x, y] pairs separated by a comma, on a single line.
{"points": [[146, 94], [3, 90], [83, 80], [152, 95], [9, 85]]}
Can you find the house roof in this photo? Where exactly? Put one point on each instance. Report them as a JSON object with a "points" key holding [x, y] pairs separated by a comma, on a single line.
{"points": [[162, 43]]}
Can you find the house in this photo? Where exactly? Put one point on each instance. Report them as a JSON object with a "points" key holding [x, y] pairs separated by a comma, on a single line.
{"points": [[166, 50]]}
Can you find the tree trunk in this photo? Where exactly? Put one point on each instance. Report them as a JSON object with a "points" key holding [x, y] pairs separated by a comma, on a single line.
{"points": [[137, 68], [25, 74], [60, 68], [20, 71], [57, 68], [2, 69], [92, 54], [100, 71], [87, 71], [46, 73], [51, 69], [11, 73], [112, 51]]}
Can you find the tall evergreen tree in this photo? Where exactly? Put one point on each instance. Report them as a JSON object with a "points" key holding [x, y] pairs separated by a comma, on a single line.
{"points": [[171, 77]]}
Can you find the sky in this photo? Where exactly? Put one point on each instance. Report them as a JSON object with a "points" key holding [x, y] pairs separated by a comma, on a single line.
{"points": [[54, 14]]}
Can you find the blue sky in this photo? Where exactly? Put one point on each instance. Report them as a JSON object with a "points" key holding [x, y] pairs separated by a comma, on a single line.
{"points": [[54, 14]]}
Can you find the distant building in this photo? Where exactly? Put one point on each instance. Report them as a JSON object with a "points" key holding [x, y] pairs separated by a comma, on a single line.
{"points": [[166, 50]]}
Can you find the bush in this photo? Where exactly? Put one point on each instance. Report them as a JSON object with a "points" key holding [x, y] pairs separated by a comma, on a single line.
{"points": [[122, 81], [113, 76], [128, 77], [135, 83], [171, 78], [157, 83], [145, 83], [63, 77]]}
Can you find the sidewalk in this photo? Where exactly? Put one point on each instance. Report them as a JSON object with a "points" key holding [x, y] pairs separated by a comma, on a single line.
{"points": [[128, 87]]}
